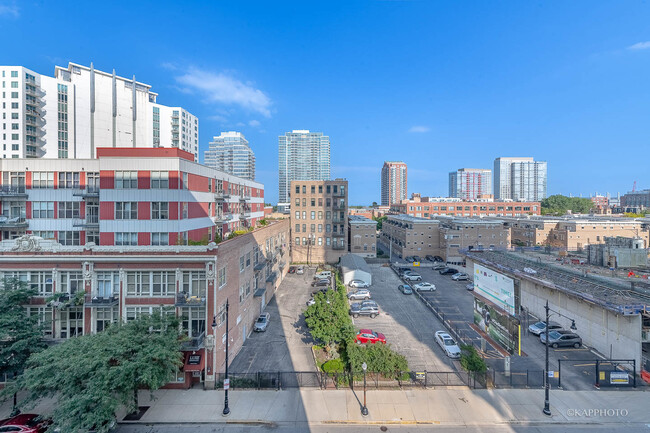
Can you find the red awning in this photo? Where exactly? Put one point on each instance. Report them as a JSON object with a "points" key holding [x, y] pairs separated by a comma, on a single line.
{"points": [[194, 361]]}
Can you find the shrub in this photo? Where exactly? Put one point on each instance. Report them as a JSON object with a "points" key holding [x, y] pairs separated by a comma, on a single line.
{"points": [[380, 358], [470, 359], [333, 366]]}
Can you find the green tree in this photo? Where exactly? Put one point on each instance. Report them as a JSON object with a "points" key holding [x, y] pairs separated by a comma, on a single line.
{"points": [[94, 375], [380, 221], [470, 359], [20, 335], [380, 358], [559, 205], [328, 318], [374, 204]]}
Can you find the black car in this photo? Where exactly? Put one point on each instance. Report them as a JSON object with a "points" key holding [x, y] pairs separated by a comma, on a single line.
{"points": [[321, 283], [409, 259], [292, 269], [417, 259], [448, 271]]}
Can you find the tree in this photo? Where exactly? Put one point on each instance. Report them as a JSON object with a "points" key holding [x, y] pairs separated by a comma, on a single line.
{"points": [[94, 375], [20, 335], [470, 359], [380, 221], [374, 204], [559, 205]]}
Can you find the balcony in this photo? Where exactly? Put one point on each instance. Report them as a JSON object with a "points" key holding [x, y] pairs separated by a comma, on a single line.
{"points": [[32, 102], [244, 197], [31, 91], [338, 220], [246, 212], [89, 191], [30, 152], [194, 343], [260, 265], [13, 191], [338, 246], [89, 221], [101, 301], [222, 218], [271, 279], [338, 193], [185, 300], [12, 223], [221, 195], [338, 206], [338, 235], [31, 122]]}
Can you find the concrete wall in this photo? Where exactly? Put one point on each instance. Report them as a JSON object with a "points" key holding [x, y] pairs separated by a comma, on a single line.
{"points": [[356, 275]]}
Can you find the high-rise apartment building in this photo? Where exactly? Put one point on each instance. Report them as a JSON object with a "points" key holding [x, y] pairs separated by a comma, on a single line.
{"points": [[230, 153], [470, 183], [520, 179], [80, 109], [319, 220], [302, 155], [393, 182]]}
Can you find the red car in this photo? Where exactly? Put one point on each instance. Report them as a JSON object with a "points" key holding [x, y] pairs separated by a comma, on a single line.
{"points": [[369, 336], [24, 423]]}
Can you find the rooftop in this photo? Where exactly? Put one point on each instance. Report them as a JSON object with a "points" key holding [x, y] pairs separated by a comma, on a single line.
{"points": [[360, 219], [609, 296]]}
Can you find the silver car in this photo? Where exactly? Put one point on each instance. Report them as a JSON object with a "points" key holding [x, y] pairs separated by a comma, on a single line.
{"points": [[262, 322], [447, 344], [359, 284], [539, 327], [412, 277], [358, 295]]}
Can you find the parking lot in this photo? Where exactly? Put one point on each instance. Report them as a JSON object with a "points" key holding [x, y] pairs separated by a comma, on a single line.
{"points": [[286, 345]]}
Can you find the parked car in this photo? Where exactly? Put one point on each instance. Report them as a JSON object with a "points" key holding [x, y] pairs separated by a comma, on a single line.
{"points": [[540, 327], [300, 270], [360, 294], [312, 301], [412, 276], [437, 266], [321, 290], [448, 271], [460, 276], [405, 288], [365, 336], [470, 287], [409, 259], [321, 283], [292, 269], [367, 308], [425, 287], [430, 258], [262, 322], [417, 259], [360, 284], [561, 338], [322, 274], [447, 344], [24, 423]]}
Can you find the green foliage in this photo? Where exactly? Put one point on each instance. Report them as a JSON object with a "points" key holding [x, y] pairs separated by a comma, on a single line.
{"points": [[93, 376], [203, 241], [20, 335], [380, 358], [333, 366], [559, 205], [374, 204], [263, 222], [470, 359], [380, 221], [634, 215], [328, 319]]}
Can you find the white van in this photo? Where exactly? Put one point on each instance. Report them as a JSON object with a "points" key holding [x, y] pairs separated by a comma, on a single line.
{"points": [[323, 274]]}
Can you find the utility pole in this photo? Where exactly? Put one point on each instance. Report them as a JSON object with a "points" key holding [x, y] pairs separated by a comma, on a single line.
{"points": [[226, 409]]}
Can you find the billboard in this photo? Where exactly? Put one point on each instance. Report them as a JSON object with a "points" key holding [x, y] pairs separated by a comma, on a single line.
{"points": [[495, 287], [500, 327]]}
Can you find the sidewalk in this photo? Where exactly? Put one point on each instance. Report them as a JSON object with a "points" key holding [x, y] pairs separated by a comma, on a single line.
{"points": [[435, 407], [452, 407]]}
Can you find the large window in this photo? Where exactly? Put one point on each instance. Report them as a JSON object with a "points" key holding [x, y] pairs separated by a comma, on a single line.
{"points": [[159, 210], [126, 210], [159, 238], [133, 313], [193, 321], [159, 179], [41, 282], [194, 283], [154, 283], [42, 179], [105, 316], [126, 179], [69, 238], [126, 238], [68, 209], [43, 209], [71, 282], [44, 318], [68, 180], [108, 284], [221, 277], [72, 322]]}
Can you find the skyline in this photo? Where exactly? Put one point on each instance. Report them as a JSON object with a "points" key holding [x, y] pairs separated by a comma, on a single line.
{"points": [[458, 87]]}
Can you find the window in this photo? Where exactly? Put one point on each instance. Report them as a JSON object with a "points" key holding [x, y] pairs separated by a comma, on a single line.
{"points": [[41, 282], [71, 282], [68, 209], [45, 234], [297, 228], [242, 265], [297, 189], [297, 241], [68, 180], [126, 179], [313, 215], [221, 315], [193, 321], [194, 283], [221, 277], [126, 210], [159, 210], [105, 316], [42, 179], [145, 283], [184, 216], [44, 318], [43, 209], [297, 215], [297, 202], [126, 238], [159, 180], [68, 238], [159, 238], [185, 181], [248, 259]]}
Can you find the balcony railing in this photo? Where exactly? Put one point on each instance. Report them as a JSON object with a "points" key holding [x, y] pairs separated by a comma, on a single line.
{"points": [[221, 195], [31, 91], [89, 191], [244, 197], [94, 301], [338, 206], [90, 220], [194, 343], [185, 300], [338, 193], [32, 102], [338, 235], [338, 247], [13, 191], [17, 222], [222, 218]]}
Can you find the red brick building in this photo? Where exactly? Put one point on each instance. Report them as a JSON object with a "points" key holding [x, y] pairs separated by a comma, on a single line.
{"points": [[427, 207]]}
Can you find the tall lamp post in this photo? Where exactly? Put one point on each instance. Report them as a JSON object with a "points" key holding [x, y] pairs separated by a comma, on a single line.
{"points": [[364, 409], [226, 409], [547, 386]]}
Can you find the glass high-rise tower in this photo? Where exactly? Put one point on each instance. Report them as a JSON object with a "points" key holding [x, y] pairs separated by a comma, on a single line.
{"points": [[520, 179], [302, 155], [230, 153]]}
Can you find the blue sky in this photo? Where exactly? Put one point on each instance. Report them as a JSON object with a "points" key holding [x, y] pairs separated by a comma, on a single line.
{"points": [[439, 85]]}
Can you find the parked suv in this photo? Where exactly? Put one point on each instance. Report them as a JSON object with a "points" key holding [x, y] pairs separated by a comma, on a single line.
{"points": [[448, 271], [359, 294], [561, 338], [412, 276], [460, 276], [321, 283], [366, 308]]}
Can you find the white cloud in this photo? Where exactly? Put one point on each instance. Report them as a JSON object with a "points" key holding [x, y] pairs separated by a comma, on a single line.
{"points": [[254, 123], [640, 46], [419, 129], [221, 88], [7, 10]]}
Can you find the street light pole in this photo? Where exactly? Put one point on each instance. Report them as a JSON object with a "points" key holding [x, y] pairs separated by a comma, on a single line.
{"points": [[364, 409], [547, 407], [226, 409]]}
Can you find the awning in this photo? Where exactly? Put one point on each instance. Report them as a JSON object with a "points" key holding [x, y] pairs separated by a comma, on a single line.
{"points": [[194, 361]]}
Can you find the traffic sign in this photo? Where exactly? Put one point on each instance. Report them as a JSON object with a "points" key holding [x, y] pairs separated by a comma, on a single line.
{"points": [[226, 384]]}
